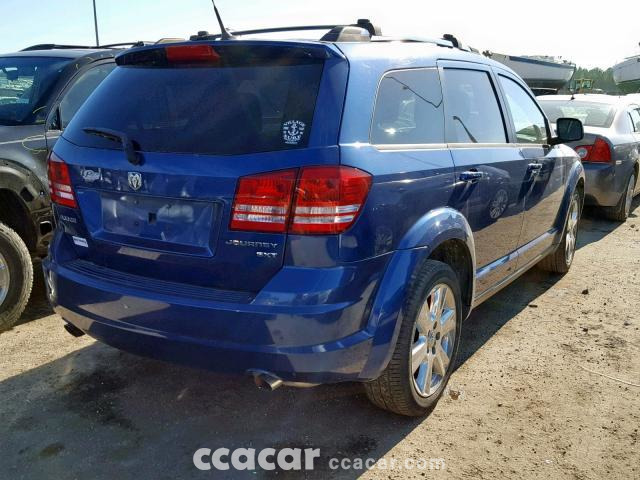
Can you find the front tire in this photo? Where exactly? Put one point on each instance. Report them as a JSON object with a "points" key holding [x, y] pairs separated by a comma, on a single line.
{"points": [[16, 277], [560, 261], [427, 345]]}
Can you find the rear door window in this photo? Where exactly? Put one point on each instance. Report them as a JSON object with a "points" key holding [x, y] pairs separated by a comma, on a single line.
{"points": [[226, 110], [80, 90], [473, 113], [527, 118], [409, 108]]}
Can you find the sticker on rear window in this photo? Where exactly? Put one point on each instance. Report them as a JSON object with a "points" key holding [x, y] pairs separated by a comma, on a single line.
{"points": [[292, 131]]}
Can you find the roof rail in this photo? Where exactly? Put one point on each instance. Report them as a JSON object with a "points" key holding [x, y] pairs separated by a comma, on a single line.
{"points": [[55, 46], [51, 46], [361, 23], [139, 43], [204, 35]]}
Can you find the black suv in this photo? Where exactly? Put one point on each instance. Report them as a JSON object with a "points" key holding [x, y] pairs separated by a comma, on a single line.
{"points": [[41, 88]]}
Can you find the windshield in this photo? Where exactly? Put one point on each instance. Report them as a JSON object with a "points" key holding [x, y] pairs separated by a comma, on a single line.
{"points": [[217, 111], [591, 114], [25, 86]]}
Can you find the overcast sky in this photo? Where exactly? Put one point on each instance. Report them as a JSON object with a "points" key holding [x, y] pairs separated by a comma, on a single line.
{"points": [[589, 36]]}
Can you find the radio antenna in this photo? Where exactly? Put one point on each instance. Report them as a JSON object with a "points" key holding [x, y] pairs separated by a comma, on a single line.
{"points": [[224, 33]]}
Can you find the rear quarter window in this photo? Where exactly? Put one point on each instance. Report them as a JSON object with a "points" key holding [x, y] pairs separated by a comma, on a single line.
{"points": [[409, 108]]}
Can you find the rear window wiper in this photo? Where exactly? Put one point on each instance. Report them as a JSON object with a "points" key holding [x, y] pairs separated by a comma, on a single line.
{"points": [[115, 136]]}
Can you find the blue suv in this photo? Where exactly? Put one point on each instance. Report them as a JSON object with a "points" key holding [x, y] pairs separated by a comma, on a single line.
{"points": [[306, 212]]}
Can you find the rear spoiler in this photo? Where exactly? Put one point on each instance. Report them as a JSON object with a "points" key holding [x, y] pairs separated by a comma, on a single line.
{"points": [[226, 53]]}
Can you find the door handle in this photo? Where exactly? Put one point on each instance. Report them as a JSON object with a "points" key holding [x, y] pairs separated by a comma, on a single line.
{"points": [[535, 167], [471, 176]]}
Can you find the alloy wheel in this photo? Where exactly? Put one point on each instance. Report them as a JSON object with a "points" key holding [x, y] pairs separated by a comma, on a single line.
{"points": [[572, 231], [434, 340]]}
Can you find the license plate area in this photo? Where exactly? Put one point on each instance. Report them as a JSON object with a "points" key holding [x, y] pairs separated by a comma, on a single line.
{"points": [[159, 223]]}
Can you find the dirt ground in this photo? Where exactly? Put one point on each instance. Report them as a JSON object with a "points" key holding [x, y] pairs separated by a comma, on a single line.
{"points": [[539, 392]]}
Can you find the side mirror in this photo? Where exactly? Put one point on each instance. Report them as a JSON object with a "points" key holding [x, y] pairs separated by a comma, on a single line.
{"points": [[568, 130]]}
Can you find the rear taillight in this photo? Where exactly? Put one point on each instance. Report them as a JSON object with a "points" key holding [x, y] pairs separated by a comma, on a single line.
{"points": [[262, 202], [326, 200], [60, 187], [599, 152]]}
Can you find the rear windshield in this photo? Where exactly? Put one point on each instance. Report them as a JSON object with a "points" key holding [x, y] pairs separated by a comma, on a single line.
{"points": [[204, 110], [591, 114], [26, 84]]}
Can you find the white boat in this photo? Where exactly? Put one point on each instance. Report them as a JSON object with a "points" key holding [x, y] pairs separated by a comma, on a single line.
{"points": [[538, 71], [626, 74]]}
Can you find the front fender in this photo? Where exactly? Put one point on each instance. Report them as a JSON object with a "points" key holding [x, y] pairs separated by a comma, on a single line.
{"points": [[421, 240]]}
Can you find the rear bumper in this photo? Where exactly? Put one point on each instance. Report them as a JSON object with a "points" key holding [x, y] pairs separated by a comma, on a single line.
{"points": [[604, 184], [317, 331]]}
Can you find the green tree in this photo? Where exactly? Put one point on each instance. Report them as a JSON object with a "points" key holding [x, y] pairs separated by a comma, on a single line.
{"points": [[602, 79]]}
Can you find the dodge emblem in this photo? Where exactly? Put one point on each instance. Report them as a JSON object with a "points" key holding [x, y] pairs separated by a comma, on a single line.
{"points": [[135, 180]]}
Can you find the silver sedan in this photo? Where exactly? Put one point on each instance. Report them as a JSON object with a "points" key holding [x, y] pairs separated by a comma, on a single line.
{"points": [[610, 150]]}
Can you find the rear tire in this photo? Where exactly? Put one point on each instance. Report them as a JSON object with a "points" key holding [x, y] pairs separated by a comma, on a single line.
{"points": [[16, 277], [561, 259], [621, 211], [427, 345]]}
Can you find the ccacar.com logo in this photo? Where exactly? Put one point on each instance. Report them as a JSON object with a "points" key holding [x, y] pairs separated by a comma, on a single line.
{"points": [[248, 459]]}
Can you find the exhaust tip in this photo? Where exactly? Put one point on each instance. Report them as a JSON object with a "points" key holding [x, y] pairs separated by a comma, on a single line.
{"points": [[265, 380], [73, 330]]}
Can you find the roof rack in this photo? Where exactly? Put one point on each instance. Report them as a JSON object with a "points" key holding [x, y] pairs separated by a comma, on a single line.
{"points": [[361, 31], [455, 43], [55, 46], [362, 23]]}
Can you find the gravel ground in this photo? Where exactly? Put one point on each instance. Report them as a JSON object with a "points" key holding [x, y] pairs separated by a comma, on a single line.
{"points": [[546, 387]]}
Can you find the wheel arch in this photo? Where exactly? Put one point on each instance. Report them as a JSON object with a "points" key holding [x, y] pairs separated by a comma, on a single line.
{"points": [[442, 234], [15, 215], [17, 192], [447, 236]]}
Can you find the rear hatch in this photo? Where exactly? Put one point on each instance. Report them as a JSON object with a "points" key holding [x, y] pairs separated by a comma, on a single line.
{"points": [[156, 154]]}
